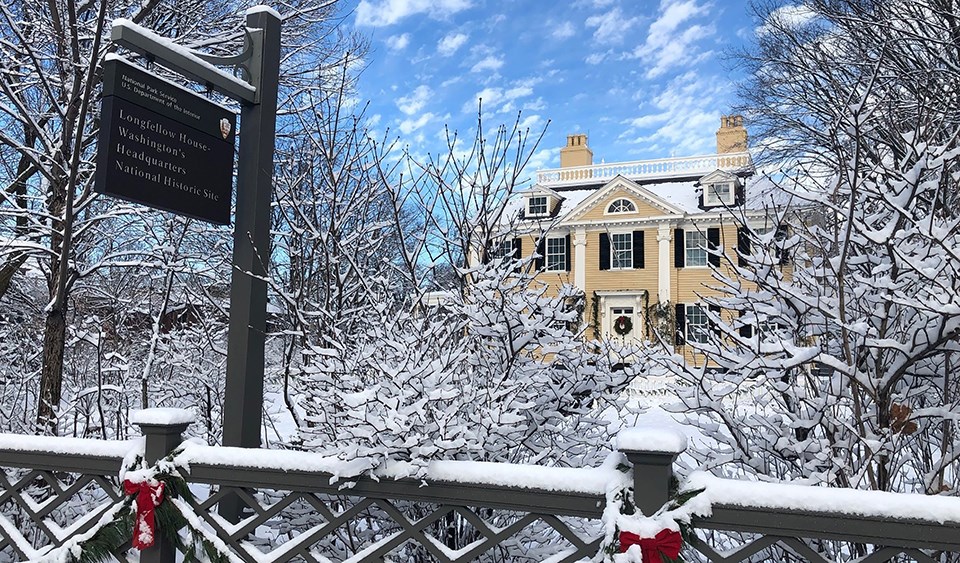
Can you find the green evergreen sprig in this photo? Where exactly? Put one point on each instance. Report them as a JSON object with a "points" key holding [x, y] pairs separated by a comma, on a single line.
{"points": [[115, 535]]}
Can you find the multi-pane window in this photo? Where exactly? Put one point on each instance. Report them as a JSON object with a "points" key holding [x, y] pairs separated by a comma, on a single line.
{"points": [[695, 244], [557, 254], [621, 206], [719, 193], [696, 324], [537, 205], [501, 249], [622, 255]]}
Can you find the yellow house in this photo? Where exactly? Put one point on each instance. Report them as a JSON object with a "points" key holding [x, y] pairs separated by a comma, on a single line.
{"points": [[639, 238]]}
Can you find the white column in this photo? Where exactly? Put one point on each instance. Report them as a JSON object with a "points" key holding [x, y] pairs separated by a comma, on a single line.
{"points": [[580, 258], [663, 270]]}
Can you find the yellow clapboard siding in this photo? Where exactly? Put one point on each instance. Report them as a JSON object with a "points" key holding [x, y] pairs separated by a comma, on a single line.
{"points": [[598, 213]]}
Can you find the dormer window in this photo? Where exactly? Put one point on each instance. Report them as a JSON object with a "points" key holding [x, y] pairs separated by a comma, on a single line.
{"points": [[719, 193], [537, 206], [622, 206]]}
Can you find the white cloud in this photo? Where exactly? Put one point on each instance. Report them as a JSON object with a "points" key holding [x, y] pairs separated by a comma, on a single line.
{"points": [[563, 31], [788, 17], [682, 119], [388, 12], [498, 100], [489, 63], [612, 27], [451, 43], [398, 42], [415, 102], [408, 126], [595, 58], [669, 42]]}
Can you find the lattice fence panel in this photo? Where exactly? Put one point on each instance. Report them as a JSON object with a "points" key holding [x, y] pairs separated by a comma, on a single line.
{"points": [[723, 547], [40, 510], [281, 526]]}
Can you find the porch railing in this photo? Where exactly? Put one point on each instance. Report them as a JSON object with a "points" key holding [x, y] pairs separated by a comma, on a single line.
{"points": [[298, 509]]}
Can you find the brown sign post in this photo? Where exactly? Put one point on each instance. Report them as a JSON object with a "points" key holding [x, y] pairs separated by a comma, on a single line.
{"points": [[164, 146]]}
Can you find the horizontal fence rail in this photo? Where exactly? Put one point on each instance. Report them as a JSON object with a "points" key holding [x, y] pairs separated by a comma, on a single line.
{"points": [[295, 508], [679, 167]]}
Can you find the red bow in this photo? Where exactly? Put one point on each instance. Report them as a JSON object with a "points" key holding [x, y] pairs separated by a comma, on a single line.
{"points": [[666, 542], [148, 498]]}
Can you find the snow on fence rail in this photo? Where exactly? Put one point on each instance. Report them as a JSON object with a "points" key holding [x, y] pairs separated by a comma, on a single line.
{"points": [[305, 507]]}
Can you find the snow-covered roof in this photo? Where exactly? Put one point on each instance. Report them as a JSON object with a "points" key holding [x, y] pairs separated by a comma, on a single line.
{"points": [[680, 193]]}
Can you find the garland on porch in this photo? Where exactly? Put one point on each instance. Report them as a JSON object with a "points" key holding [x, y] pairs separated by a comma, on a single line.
{"points": [[154, 501], [632, 537]]}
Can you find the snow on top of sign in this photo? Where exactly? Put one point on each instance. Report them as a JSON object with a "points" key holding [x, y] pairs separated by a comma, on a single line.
{"points": [[651, 439], [853, 502], [67, 446], [263, 8], [186, 52], [162, 416]]}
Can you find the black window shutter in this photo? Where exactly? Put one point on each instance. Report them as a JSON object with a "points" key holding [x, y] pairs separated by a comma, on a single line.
{"points": [[638, 249], [678, 251], [743, 245], [746, 330], [566, 250], [541, 253], [715, 309], [517, 253], [604, 251], [713, 243], [681, 315], [782, 253]]}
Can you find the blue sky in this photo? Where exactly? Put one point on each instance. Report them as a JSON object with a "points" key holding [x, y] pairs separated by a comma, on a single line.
{"points": [[642, 79]]}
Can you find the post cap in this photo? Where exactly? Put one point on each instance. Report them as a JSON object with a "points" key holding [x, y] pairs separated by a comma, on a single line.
{"points": [[162, 417], [651, 440]]}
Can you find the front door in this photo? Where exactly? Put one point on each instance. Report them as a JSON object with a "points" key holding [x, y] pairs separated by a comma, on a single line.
{"points": [[622, 323]]}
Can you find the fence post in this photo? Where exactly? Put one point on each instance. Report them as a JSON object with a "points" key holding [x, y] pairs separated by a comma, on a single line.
{"points": [[162, 430], [652, 452]]}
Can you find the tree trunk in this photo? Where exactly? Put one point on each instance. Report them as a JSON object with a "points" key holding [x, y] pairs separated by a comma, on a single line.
{"points": [[51, 375]]}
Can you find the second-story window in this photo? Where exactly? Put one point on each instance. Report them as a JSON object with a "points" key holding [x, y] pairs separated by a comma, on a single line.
{"points": [[622, 255], [622, 206], [695, 244], [557, 254], [537, 206]]}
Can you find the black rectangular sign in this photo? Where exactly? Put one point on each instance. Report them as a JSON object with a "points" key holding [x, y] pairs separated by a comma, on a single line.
{"points": [[164, 146]]}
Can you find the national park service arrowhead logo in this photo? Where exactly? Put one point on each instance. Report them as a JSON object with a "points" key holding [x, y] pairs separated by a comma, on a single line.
{"points": [[225, 128]]}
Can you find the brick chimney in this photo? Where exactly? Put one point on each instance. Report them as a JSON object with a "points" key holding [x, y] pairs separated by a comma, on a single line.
{"points": [[576, 153], [732, 136]]}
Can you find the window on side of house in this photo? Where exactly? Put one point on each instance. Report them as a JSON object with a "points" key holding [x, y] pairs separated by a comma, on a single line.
{"points": [[502, 249], [557, 254], [719, 194], [537, 206], [622, 255], [696, 324], [622, 206], [695, 244]]}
